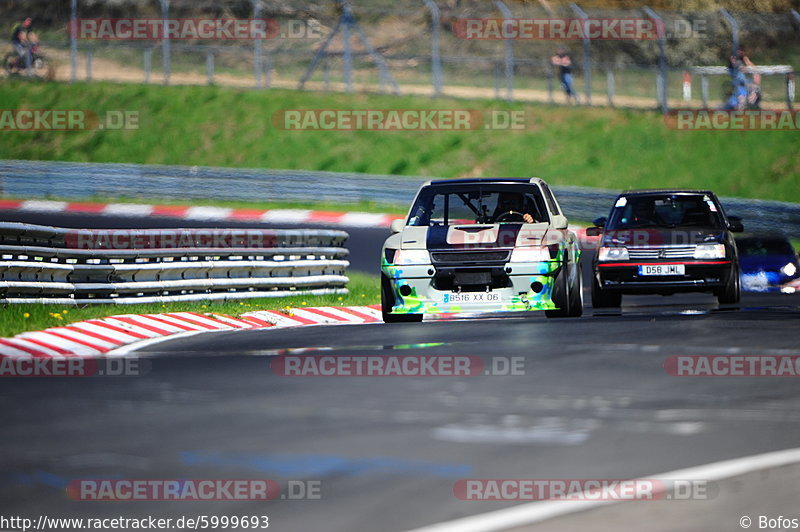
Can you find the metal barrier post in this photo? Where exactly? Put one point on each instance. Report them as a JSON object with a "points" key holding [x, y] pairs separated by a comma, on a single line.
{"points": [[73, 41], [497, 80], [210, 67], [509, 53], [436, 60], [148, 64], [704, 90], [257, 63], [734, 29], [587, 55], [165, 49], [89, 54], [661, 87], [347, 72]]}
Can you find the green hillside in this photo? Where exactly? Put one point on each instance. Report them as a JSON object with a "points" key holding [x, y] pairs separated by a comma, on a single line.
{"points": [[600, 147]]}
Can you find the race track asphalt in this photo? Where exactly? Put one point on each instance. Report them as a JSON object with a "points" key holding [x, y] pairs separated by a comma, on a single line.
{"points": [[593, 400]]}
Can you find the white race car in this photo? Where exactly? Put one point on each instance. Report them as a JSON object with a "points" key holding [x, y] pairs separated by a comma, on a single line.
{"points": [[481, 245]]}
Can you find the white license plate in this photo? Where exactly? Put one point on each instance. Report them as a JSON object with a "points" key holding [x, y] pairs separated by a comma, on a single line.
{"points": [[662, 269], [471, 297]]}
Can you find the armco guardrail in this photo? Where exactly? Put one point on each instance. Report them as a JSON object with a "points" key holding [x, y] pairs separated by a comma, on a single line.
{"points": [[40, 264], [30, 179]]}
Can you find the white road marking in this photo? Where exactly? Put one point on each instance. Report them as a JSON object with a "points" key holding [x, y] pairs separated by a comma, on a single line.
{"points": [[43, 205], [536, 512], [127, 209]]}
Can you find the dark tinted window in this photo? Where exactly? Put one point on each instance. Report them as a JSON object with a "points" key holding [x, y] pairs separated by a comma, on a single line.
{"points": [[665, 210], [478, 204], [764, 246]]}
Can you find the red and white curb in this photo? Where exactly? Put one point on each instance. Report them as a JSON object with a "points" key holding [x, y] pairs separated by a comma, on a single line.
{"points": [[123, 333], [204, 213]]}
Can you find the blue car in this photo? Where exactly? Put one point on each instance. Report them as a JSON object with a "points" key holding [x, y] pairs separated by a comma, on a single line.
{"points": [[767, 262]]}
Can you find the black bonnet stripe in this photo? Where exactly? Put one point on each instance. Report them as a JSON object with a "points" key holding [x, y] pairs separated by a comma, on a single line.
{"points": [[506, 238]]}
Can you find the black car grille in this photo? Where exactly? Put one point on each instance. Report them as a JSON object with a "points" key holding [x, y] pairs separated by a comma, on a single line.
{"points": [[678, 252], [471, 279], [463, 257]]}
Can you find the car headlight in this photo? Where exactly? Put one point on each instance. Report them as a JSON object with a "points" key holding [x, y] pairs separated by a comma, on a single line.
{"points": [[605, 254], [531, 254], [789, 270], [709, 251], [408, 257]]}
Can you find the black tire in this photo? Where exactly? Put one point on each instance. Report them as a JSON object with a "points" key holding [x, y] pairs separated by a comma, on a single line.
{"points": [[43, 69], [576, 294], [731, 293], [387, 302], [569, 300], [8, 62], [604, 298]]}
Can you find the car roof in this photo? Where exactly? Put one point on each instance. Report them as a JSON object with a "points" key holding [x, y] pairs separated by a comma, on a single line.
{"points": [[654, 191], [484, 180]]}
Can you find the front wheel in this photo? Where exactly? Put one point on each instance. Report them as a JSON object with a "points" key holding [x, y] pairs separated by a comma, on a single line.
{"points": [[731, 293], [567, 297], [387, 302]]}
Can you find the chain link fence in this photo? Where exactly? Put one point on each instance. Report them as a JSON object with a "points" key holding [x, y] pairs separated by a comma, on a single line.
{"points": [[419, 47]]}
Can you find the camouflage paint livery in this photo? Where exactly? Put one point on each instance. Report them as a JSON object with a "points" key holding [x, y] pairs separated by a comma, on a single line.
{"points": [[425, 299]]}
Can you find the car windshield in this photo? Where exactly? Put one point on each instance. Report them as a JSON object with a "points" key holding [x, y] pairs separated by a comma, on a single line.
{"points": [[764, 246], [478, 204], [666, 210]]}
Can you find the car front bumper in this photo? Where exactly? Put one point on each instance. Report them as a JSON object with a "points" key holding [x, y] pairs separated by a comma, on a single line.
{"points": [[417, 290], [699, 276]]}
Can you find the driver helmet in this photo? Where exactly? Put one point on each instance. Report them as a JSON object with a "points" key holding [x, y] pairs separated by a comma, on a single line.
{"points": [[509, 201]]}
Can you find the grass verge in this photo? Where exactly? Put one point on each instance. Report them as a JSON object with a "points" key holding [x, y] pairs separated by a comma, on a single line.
{"points": [[14, 319], [213, 126]]}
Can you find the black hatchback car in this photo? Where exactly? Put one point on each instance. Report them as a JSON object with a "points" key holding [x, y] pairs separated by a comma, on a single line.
{"points": [[664, 242]]}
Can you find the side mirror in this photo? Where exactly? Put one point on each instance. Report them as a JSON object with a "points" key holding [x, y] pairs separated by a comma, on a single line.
{"points": [[600, 222], [559, 221], [735, 224], [398, 225], [594, 231]]}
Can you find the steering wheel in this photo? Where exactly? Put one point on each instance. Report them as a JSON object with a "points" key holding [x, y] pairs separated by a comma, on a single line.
{"points": [[509, 214]]}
